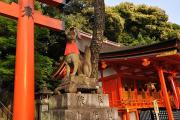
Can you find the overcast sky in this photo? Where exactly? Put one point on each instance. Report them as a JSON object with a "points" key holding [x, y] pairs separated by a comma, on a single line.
{"points": [[172, 7]]}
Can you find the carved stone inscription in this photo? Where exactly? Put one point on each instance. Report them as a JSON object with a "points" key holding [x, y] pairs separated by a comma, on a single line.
{"points": [[81, 100], [100, 100]]}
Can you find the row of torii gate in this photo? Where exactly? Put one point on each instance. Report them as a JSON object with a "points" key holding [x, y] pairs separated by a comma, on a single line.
{"points": [[27, 17]]}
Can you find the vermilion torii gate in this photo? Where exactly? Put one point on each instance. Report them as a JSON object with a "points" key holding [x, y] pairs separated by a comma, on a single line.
{"points": [[24, 69]]}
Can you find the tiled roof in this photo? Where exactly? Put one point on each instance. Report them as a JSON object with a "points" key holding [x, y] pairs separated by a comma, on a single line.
{"points": [[108, 46]]}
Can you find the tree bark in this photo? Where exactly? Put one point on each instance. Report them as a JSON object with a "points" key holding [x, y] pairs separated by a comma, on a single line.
{"points": [[98, 32]]}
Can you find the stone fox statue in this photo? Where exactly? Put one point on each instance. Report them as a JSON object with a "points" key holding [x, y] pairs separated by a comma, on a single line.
{"points": [[85, 66], [71, 51]]}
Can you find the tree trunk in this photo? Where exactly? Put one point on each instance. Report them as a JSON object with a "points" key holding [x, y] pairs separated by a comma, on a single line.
{"points": [[98, 32]]}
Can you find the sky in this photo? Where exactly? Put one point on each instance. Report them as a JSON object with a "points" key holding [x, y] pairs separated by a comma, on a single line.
{"points": [[172, 7]]}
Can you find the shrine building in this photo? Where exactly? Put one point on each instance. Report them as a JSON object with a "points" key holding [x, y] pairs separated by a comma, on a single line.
{"points": [[134, 77]]}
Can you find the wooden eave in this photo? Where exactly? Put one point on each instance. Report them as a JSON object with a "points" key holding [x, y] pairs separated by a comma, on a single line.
{"points": [[143, 51]]}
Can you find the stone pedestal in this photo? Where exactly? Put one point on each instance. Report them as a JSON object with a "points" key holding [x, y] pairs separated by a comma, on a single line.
{"points": [[78, 99], [73, 106]]}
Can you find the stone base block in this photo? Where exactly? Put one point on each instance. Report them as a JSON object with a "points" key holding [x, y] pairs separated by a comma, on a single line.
{"points": [[73, 100], [84, 114], [73, 106]]}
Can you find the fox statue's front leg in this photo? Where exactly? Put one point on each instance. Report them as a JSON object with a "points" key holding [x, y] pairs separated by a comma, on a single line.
{"points": [[74, 59]]}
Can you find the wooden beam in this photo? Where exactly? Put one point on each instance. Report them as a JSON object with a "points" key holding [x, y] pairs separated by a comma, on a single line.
{"points": [[135, 77], [132, 71], [53, 2], [12, 11], [9, 10], [48, 22]]}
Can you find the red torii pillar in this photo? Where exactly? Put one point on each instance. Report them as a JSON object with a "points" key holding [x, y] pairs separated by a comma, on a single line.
{"points": [[24, 69]]}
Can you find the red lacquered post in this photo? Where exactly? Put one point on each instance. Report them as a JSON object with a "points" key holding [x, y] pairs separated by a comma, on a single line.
{"points": [[165, 94], [127, 115], [24, 71]]}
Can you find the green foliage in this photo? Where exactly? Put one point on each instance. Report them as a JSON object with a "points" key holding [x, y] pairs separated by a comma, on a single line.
{"points": [[114, 24], [175, 26], [42, 36], [7, 50], [143, 25], [7, 68], [43, 69], [76, 20], [7, 78]]}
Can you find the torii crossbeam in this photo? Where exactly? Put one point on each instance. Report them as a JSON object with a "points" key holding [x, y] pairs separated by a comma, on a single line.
{"points": [[24, 12]]}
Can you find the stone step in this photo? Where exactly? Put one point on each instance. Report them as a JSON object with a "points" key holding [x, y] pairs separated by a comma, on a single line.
{"points": [[74, 100]]}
